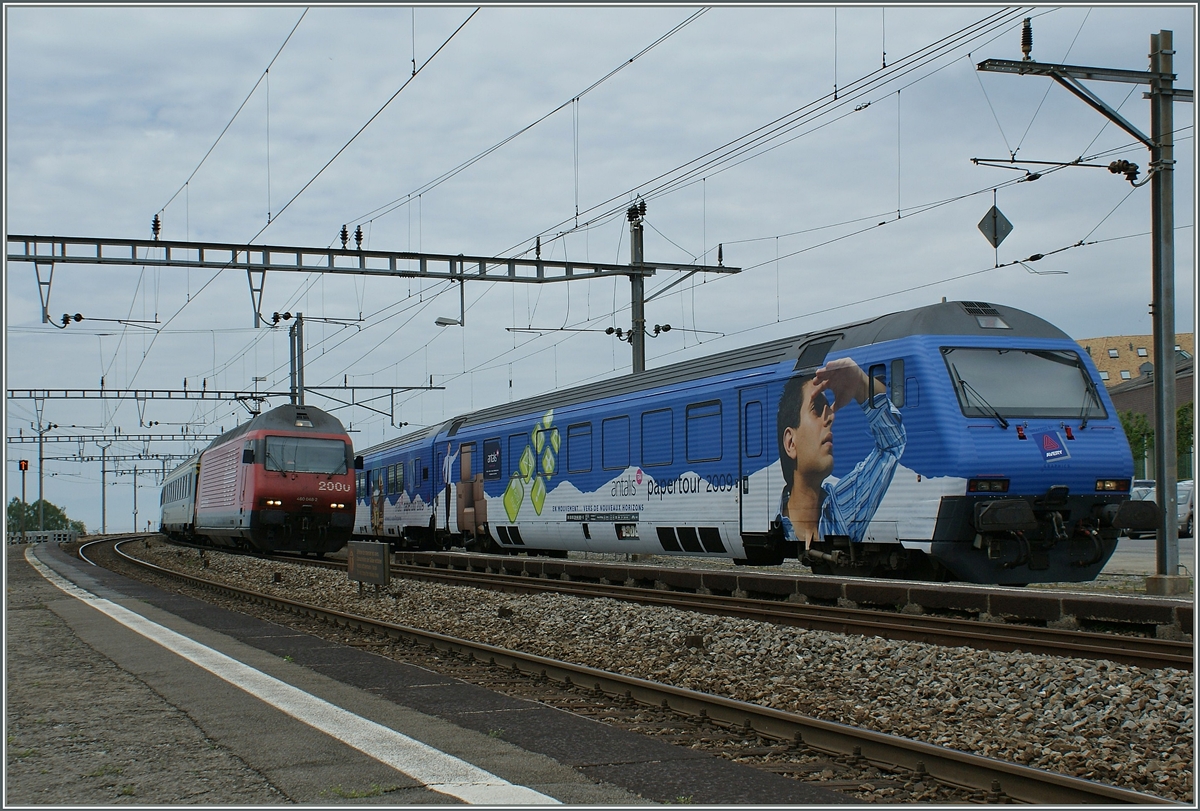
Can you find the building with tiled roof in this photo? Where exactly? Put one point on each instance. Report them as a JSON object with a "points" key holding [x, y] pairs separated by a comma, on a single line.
{"points": [[1121, 358], [1126, 364]]}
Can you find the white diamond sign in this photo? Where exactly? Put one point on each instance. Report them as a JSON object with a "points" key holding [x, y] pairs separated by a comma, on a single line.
{"points": [[995, 227]]}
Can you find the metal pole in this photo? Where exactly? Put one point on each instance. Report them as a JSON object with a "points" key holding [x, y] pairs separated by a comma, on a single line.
{"points": [[41, 500], [299, 358], [637, 338], [135, 523], [292, 354], [1162, 224], [23, 505], [103, 489]]}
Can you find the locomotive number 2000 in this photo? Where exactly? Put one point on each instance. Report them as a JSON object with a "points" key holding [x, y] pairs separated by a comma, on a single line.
{"points": [[338, 486]]}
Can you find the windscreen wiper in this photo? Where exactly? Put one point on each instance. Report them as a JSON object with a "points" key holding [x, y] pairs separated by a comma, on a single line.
{"points": [[1091, 394], [967, 387]]}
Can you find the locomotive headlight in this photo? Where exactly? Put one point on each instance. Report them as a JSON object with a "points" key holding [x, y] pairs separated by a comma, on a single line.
{"points": [[987, 486], [1112, 485], [336, 506], [274, 502]]}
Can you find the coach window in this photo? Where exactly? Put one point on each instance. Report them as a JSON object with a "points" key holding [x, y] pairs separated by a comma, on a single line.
{"points": [[657, 438], [875, 379], [897, 383], [546, 444], [518, 444], [703, 427], [753, 428], [579, 448], [614, 441], [491, 459], [466, 462]]}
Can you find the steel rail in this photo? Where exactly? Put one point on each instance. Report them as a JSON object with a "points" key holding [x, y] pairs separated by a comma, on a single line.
{"points": [[962, 769], [1133, 650]]}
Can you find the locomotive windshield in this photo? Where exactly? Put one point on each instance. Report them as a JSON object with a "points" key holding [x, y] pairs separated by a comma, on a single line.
{"points": [[1037, 383], [292, 454]]}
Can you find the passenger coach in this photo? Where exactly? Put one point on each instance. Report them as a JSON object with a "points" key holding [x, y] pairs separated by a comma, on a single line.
{"points": [[962, 440]]}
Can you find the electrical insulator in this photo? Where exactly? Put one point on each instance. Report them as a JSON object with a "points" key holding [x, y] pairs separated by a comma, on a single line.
{"points": [[1130, 170], [641, 208], [156, 227], [1027, 38], [720, 254], [537, 248], [345, 237], [358, 236]]}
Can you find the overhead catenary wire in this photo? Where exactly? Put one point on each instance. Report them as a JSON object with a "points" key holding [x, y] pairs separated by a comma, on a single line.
{"points": [[146, 351], [729, 242], [737, 148], [387, 208], [361, 129], [235, 115], [903, 61]]}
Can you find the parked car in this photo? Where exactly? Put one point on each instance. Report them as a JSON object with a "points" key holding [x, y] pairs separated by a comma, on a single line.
{"points": [[1186, 503], [1143, 490]]}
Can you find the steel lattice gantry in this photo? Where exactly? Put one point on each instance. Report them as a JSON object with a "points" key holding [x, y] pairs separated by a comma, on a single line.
{"points": [[47, 251]]}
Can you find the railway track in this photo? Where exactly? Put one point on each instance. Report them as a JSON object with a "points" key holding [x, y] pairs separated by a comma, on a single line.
{"points": [[1134, 650], [977, 778]]}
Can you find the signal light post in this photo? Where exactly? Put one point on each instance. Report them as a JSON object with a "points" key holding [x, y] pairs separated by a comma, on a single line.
{"points": [[24, 469]]}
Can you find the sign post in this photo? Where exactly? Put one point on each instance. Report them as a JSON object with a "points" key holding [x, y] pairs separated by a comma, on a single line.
{"points": [[369, 562]]}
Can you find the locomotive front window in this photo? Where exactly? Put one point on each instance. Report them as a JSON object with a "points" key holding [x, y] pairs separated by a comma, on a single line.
{"points": [[1036, 383], [303, 455]]}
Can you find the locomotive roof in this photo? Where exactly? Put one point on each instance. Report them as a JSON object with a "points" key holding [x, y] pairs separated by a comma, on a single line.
{"points": [[946, 318], [285, 418]]}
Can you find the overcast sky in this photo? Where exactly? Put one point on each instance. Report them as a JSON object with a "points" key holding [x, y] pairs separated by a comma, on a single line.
{"points": [[843, 208]]}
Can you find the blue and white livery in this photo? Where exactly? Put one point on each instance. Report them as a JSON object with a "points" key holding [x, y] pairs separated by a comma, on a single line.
{"points": [[963, 440]]}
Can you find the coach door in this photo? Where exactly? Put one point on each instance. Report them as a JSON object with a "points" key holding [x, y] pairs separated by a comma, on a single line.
{"points": [[754, 502], [441, 490]]}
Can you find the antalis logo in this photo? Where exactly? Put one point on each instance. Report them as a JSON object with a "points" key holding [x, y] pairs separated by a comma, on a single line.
{"points": [[1052, 446]]}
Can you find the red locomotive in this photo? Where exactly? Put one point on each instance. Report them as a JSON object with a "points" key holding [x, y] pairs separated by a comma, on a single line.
{"points": [[284, 481]]}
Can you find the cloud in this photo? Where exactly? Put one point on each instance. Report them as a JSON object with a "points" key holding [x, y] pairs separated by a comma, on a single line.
{"points": [[110, 110]]}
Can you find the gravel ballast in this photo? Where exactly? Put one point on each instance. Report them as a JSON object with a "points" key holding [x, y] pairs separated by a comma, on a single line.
{"points": [[1098, 720]]}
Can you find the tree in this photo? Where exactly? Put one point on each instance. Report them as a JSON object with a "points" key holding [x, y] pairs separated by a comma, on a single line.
{"points": [[1184, 428], [1185, 435], [1138, 432], [53, 517]]}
